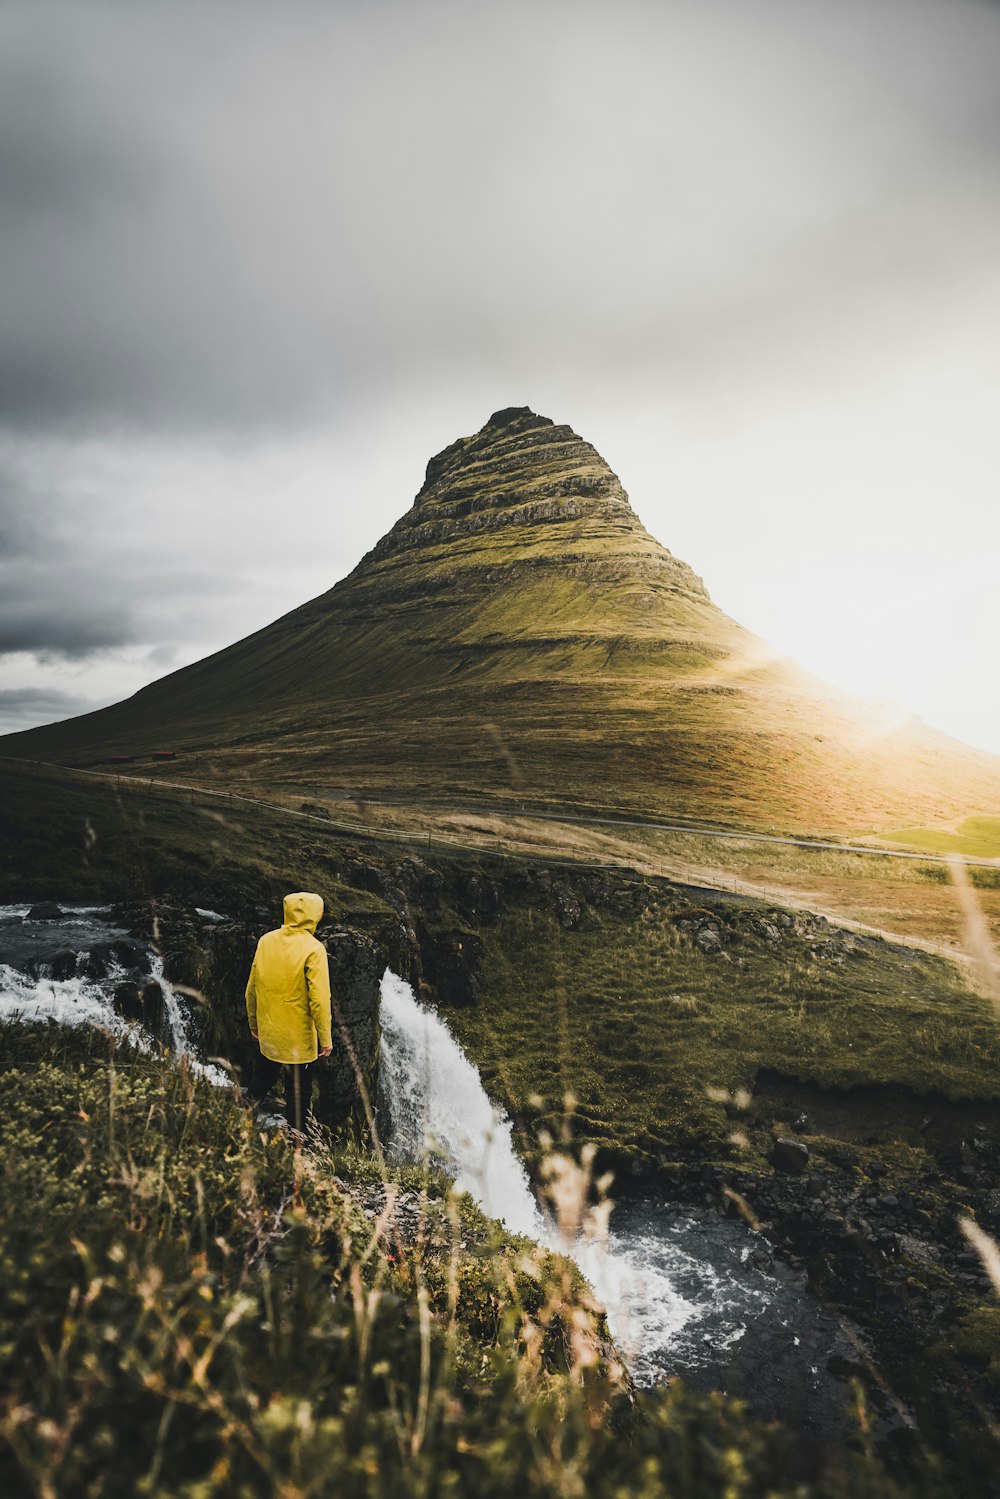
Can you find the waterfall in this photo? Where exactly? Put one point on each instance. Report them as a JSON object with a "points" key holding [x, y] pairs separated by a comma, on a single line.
{"points": [[437, 1106], [177, 1020], [84, 1001], [73, 1001]]}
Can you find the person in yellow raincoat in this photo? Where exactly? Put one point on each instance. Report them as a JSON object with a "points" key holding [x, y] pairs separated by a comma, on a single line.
{"points": [[288, 1005]]}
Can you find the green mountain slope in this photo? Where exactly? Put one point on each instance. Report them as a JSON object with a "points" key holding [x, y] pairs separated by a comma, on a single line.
{"points": [[519, 633]]}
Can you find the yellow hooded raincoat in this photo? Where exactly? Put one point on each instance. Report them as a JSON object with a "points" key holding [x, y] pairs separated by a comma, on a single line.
{"points": [[288, 992]]}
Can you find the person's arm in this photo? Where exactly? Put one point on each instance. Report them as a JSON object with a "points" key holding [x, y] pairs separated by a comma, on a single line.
{"points": [[251, 998], [318, 987]]}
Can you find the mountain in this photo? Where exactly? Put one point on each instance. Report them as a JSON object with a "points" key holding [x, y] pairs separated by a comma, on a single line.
{"points": [[518, 633]]}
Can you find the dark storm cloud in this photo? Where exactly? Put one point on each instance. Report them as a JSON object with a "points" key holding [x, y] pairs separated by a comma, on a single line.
{"points": [[23, 707], [172, 250], [69, 625], [55, 597]]}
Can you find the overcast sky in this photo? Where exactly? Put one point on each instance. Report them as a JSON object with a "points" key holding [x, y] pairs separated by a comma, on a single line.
{"points": [[259, 262]]}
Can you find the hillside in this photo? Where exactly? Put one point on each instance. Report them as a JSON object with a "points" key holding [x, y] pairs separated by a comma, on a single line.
{"points": [[519, 634], [656, 1006]]}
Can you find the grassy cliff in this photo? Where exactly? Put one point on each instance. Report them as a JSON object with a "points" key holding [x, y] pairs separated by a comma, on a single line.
{"points": [[690, 1028], [191, 1309]]}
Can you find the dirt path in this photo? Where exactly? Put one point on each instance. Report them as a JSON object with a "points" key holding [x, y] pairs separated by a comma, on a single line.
{"points": [[496, 832]]}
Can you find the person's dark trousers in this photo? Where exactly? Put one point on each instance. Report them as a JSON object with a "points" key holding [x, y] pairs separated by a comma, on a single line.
{"points": [[298, 1087]]}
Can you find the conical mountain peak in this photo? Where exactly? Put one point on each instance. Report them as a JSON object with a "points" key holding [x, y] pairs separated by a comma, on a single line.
{"points": [[517, 453], [544, 495], [519, 631]]}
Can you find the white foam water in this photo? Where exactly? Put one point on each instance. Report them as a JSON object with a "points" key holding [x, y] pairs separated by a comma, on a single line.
{"points": [[73, 1001], [81, 1001], [437, 1106]]}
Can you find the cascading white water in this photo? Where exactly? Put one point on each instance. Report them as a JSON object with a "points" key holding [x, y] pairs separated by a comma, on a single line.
{"points": [[82, 1001], [73, 1001], [437, 1105]]}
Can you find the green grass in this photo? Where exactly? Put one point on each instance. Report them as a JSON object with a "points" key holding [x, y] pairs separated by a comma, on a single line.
{"points": [[975, 837], [619, 1008], [624, 1011], [190, 1311], [631, 1018]]}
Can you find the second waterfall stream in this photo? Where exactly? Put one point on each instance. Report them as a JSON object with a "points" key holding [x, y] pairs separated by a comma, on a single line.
{"points": [[434, 1099]]}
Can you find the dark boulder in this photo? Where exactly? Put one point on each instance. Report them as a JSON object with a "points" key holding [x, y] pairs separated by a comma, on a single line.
{"points": [[58, 965], [789, 1155], [451, 959], [123, 952], [46, 910], [63, 965], [142, 1003]]}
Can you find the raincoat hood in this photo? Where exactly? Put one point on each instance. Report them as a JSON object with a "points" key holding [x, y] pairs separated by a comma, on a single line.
{"points": [[303, 911]]}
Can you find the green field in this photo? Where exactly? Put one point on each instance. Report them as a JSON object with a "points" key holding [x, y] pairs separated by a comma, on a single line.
{"points": [[973, 837], [596, 992]]}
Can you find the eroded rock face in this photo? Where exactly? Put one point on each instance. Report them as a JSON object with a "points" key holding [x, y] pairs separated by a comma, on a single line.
{"points": [[523, 471], [356, 966]]}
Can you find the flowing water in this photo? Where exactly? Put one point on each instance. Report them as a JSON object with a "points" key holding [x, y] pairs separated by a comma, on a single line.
{"points": [[686, 1291], [31, 948]]}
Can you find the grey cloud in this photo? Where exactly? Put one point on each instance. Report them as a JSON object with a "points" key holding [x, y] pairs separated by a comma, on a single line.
{"points": [[60, 623], [23, 707], [245, 214]]}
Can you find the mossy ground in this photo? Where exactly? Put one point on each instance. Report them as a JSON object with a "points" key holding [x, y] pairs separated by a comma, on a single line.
{"points": [[628, 1014], [623, 1009], [590, 984], [191, 1309]]}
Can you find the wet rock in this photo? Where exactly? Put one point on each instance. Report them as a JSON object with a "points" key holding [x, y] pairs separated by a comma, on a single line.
{"points": [[789, 1155], [101, 956], [142, 1003], [46, 910], [356, 965], [62, 965], [59, 966]]}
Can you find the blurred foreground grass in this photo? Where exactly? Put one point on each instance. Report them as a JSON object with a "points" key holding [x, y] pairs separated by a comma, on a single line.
{"points": [[191, 1309]]}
